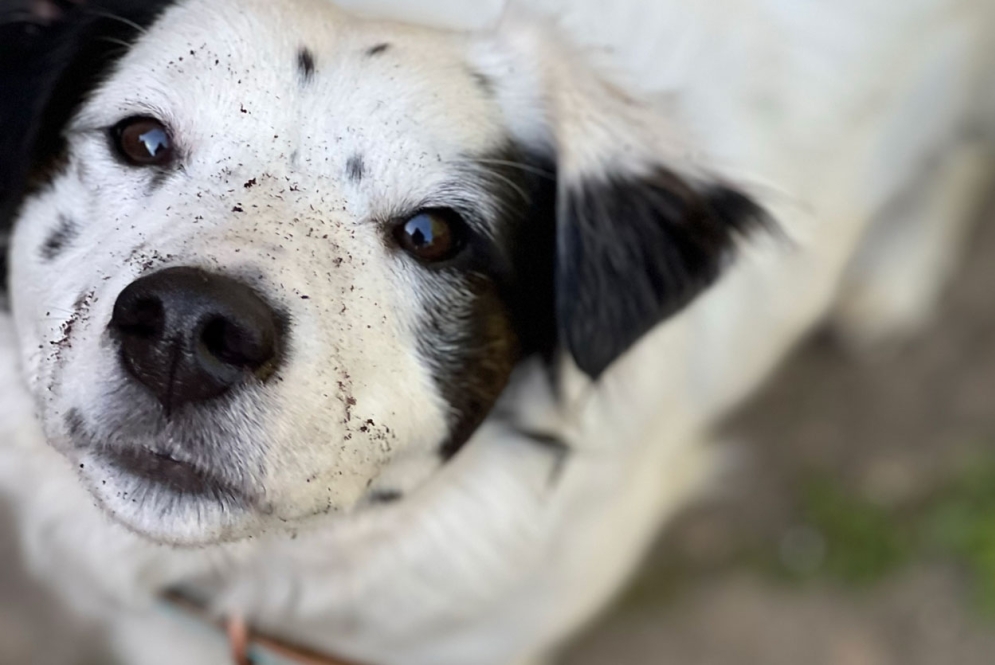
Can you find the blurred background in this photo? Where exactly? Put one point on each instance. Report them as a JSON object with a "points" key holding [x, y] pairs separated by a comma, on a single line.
{"points": [[859, 527]]}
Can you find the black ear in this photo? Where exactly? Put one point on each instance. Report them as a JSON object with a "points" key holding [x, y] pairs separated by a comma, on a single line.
{"points": [[52, 54], [633, 251]]}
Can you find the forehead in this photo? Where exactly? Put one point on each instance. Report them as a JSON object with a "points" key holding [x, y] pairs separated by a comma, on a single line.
{"points": [[259, 74]]}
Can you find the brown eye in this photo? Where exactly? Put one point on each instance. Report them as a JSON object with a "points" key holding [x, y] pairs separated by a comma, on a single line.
{"points": [[143, 142], [431, 236]]}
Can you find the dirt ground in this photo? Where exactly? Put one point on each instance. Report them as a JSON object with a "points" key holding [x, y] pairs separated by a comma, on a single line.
{"points": [[888, 428]]}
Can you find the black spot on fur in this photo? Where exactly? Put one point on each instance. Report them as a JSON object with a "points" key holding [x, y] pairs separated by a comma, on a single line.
{"points": [[75, 425], [64, 233], [355, 168], [159, 177], [385, 496], [305, 64], [379, 49], [633, 252], [484, 82]]}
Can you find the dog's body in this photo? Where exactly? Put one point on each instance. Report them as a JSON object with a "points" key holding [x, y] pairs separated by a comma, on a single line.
{"points": [[833, 117]]}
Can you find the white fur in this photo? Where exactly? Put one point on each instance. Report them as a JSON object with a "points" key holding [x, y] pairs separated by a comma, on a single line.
{"points": [[826, 110]]}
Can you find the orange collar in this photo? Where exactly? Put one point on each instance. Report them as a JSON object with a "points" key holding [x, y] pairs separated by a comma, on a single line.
{"points": [[249, 647]]}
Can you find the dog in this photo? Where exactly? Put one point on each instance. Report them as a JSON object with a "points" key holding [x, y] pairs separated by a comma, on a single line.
{"points": [[397, 340]]}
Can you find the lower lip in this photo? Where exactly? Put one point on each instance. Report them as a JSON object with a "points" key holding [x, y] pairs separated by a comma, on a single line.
{"points": [[170, 474]]}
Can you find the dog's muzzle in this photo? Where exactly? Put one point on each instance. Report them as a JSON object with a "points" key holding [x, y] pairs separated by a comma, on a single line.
{"points": [[186, 337]]}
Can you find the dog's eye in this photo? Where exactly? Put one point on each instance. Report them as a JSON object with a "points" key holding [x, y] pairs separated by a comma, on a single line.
{"points": [[432, 236], [143, 141]]}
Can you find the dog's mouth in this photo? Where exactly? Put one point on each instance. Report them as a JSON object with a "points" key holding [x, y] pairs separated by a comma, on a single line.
{"points": [[174, 484], [168, 473], [145, 454]]}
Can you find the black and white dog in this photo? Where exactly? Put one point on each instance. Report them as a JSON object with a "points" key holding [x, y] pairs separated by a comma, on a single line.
{"points": [[401, 341]]}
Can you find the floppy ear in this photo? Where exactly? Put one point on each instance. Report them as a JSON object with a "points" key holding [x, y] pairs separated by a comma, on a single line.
{"points": [[633, 250], [49, 61], [641, 230]]}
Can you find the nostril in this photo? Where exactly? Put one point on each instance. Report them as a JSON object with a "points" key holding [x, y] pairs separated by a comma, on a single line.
{"points": [[142, 318], [238, 345]]}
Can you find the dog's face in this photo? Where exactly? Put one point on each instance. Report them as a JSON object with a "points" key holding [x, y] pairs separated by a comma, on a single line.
{"points": [[271, 261]]}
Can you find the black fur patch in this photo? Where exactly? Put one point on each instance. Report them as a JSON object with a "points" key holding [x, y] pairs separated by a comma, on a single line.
{"points": [[472, 348], [633, 252], [473, 343], [379, 49], [61, 236], [4, 249], [305, 64], [45, 72], [355, 168]]}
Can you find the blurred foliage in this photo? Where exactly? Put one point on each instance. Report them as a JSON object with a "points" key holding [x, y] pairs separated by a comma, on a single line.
{"points": [[853, 541], [961, 522], [863, 541]]}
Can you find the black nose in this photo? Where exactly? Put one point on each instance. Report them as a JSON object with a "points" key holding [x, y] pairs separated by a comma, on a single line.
{"points": [[188, 335]]}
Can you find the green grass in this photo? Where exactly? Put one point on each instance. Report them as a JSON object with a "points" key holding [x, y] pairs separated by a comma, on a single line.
{"points": [[960, 523], [862, 543]]}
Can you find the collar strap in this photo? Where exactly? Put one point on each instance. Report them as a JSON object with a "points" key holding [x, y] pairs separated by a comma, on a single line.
{"points": [[248, 647]]}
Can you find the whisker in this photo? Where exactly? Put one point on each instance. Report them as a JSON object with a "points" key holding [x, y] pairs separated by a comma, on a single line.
{"points": [[121, 19], [516, 165], [511, 183], [59, 309], [119, 42]]}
